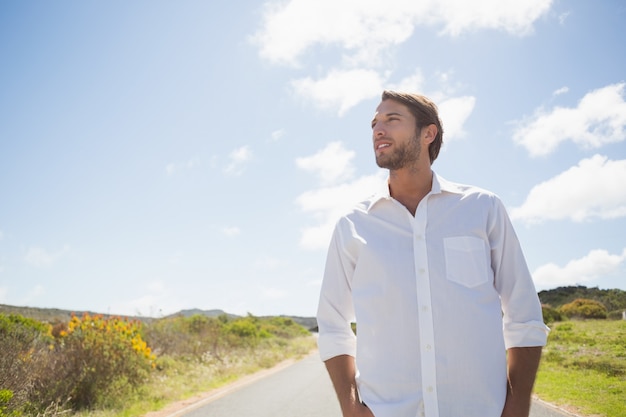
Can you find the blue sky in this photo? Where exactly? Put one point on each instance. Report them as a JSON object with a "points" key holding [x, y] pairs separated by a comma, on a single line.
{"points": [[158, 155]]}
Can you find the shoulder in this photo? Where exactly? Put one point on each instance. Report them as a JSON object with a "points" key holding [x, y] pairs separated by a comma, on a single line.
{"points": [[465, 190], [357, 211], [469, 194]]}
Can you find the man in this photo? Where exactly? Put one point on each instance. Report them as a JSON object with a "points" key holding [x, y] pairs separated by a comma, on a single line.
{"points": [[448, 320]]}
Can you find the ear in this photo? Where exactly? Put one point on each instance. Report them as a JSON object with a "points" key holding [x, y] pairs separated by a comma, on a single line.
{"points": [[429, 133]]}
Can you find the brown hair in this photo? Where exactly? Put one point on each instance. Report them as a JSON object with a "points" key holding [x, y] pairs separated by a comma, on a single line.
{"points": [[425, 113]]}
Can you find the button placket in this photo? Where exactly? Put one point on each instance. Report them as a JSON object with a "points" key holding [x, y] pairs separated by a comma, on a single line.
{"points": [[426, 326]]}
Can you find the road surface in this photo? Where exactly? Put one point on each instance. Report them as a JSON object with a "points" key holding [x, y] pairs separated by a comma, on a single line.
{"points": [[299, 390]]}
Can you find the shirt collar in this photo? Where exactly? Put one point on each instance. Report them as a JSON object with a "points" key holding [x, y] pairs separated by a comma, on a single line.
{"points": [[439, 185]]}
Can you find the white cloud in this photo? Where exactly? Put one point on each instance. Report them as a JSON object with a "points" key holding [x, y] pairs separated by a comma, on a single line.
{"points": [[453, 113], [413, 82], [515, 17], [174, 167], [327, 204], [592, 189], [332, 164], [599, 119], [231, 231], [365, 33], [340, 90], [42, 258], [290, 28], [156, 302], [238, 158], [365, 28], [560, 91], [594, 265], [277, 134], [337, 193]]}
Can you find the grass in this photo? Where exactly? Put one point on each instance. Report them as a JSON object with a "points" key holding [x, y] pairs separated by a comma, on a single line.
{"points": [[178, 380], [583, 367]]}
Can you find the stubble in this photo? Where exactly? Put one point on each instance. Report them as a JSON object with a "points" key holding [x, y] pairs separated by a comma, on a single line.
{"points": [[403, 156]]}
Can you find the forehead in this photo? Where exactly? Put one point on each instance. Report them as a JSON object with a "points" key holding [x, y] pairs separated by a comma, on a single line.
{"points": [[387, 107]]}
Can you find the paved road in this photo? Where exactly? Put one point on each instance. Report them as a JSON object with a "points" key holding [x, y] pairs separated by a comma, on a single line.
{"points": [[300, 390]]}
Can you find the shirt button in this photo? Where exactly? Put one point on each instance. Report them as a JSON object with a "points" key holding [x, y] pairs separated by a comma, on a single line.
{"points": [[422, 270], [425, 309], [428, 347], [429, 389]]}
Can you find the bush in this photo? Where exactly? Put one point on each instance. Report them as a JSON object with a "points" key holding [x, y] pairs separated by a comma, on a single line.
{"points": [[20, 341], [93, 362], [615, 315], [197, 336], [283, 327], [96, 362], [5, 398], [550, 315], [190, 337], [584, 309]]}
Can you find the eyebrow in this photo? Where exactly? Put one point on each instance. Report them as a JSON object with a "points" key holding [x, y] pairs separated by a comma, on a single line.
{"points": [[393, 113]]}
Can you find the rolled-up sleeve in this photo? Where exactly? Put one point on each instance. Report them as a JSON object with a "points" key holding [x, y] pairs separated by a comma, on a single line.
{"points": [[335, 310], [523, 320]]}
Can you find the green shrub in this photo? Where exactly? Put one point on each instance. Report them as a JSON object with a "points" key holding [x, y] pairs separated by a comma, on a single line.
{"points": [[243, 328], [550, 315], [21, 340], [615, 315], [584, 309], [5, 397], [283, 327], [96, 361], [190, 337]]}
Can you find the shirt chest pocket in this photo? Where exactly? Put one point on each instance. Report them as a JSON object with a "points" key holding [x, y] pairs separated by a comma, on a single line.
{"points": [[466, 260]]}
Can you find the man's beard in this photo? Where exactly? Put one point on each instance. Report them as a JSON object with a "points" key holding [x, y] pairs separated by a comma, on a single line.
{"points": [[403, 156]]}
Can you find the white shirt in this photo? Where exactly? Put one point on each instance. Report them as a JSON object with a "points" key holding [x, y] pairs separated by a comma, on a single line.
{"points": [[437, 299]]}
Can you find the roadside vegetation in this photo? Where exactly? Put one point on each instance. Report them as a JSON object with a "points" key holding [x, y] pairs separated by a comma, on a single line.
{"points": [[583, 367], [111, 367], [92, 365]]}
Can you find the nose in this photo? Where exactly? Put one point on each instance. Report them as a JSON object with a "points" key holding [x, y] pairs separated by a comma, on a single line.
{"points": [[378, 131]]}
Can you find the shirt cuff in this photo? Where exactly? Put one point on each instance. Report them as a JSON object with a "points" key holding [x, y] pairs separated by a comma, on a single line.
{"points": [[331, 345], [532, 333]]}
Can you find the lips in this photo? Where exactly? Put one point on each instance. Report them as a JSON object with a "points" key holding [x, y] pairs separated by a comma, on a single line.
{"points": [[381, 145]]}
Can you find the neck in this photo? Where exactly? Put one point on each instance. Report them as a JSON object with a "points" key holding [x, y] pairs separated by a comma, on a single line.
{"points": [[410, 185]]}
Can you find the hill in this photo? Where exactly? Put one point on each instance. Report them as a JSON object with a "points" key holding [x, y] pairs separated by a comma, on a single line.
{"points": [[614, 299], [306, 322], [52, 315], [55, 315]]}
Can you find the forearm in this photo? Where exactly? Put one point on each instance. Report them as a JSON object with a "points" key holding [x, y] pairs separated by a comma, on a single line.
{"points": [[342, 371], [522, 363]]}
